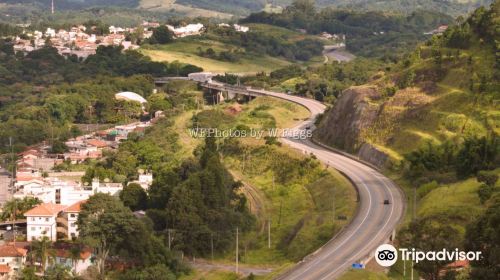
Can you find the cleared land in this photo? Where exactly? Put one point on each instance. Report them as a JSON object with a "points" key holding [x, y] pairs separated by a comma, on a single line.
{"points": [[170, 5], [185, 52]]}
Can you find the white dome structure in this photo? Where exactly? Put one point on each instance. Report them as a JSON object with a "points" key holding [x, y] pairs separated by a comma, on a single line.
{"points": [[130, 96]]}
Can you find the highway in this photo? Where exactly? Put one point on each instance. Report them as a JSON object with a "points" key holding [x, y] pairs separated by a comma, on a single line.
{"points": [[374, 222]]}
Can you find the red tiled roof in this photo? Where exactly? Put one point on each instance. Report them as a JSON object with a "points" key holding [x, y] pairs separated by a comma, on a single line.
{"points": [[4, 268], [66, 253], [45, 209], [26, 178], [12, 251], [97, 143], [30, 152], [76, 207]]}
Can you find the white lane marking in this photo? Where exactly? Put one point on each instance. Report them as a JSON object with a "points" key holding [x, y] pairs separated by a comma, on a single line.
{"points": [[376, 236], [304, 102], [346, 239]]}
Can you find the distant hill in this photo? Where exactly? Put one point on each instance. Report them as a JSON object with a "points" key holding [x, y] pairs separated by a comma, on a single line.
{"points": [[451, 7], [75, 4]]}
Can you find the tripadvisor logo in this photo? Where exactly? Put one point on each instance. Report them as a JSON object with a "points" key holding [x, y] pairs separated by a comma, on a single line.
{"points": [[386, 255]]}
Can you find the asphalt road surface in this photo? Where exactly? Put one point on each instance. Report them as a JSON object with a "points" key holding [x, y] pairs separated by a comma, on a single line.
{"points": [[374, 222]]}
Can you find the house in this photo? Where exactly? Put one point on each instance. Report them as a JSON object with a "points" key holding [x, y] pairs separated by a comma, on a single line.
{"points": [[188, 30], [54, 221], [145, 180], [241, 28], [12, 259], [42, 221], [99, 144], [68, 217], [63, 256]]}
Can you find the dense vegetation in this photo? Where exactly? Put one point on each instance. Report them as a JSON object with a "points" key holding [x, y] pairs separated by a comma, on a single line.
{"points": [[68, 4], [368, 33], [116, 233], [453, 7], [324, 83], [261, 42], [45, 88]]}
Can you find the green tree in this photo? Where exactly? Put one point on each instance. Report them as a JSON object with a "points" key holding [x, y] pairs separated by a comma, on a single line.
{"points": [[484, 235], [156, 272], [41, 249], [28, 273], [21, 206], [432, 233], [58, 147], [58, 272], [134, 197], [161, 35], [485, 192], [104, 224]]}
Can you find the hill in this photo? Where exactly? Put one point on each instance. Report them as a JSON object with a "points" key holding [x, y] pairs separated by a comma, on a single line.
{"points": [[367, 33], [446, 90], [69, 4], [222, 49], [241, 7]]}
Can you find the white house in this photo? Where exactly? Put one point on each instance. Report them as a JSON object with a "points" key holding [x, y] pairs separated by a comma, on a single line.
{"points": [[42, 221], [63, 257], [12, 259], [241, 28], [53, 220], [71, 215], [61, 192]]}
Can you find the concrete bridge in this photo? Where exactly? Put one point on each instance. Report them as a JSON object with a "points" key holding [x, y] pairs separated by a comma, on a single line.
{"points": [[222, 92], [218, 92]]}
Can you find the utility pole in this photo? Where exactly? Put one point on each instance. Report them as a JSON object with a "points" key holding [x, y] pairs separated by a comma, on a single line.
{"points": [[12, 189], [212, 245], [412, 269], [404, 268], [237, 257], [269, 234], [414, 203], [281, 206], [333, 205], [169, 238]]}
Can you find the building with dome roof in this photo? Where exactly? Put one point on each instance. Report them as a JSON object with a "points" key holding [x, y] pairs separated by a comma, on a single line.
{"points": [[130, 96]]}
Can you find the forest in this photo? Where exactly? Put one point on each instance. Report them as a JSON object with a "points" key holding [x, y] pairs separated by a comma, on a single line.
{"points": [[368, 33], [45, 88]]}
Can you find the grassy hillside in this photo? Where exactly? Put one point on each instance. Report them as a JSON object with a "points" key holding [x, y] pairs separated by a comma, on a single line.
{"points": [[241, 7], [299, 204], [186, 52], [247, 56], [188, 10], [436, 115]]}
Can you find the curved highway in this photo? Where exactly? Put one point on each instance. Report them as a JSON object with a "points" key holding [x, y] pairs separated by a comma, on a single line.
{"points": [[374, 221]]}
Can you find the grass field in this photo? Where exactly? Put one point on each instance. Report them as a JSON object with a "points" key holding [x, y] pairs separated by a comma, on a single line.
{"points": [[300, 210], [210, 275], [363, 274], [168, 5], [304, 201], [185, 51]]}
